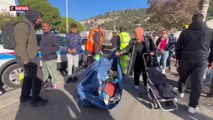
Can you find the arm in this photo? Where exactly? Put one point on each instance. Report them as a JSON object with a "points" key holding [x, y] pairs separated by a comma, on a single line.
{"points": [[79, 42], [21, 37], [128, 48], [179, 46], [97, 37]]}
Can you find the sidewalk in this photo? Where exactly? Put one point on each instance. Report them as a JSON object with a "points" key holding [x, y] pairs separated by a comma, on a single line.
{"points": [[62, 106]]}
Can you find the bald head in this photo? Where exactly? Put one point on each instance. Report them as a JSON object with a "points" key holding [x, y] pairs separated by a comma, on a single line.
{"points": [[46, 27]]}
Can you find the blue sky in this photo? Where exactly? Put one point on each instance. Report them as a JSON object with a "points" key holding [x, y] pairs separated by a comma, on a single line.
{"points": [[82, 9]]}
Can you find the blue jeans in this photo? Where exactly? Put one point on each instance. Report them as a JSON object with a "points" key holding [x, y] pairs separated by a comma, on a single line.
{"points": [[164, 58]]}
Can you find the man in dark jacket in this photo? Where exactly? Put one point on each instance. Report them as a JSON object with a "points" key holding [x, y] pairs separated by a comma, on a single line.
{"points": [[138, 47], [26, 53], [49, 46], [194, 52]]}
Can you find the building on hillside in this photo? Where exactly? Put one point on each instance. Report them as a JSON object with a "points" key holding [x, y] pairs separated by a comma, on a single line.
{"points": [[5, 6]]}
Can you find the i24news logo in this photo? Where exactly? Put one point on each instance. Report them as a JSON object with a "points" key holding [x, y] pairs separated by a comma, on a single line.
{"points": [[19, 8]]}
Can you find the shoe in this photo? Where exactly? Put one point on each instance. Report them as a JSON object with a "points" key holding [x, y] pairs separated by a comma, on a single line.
{"points": [[181, 95], [39, 102], [192, 110], [163, 71], [22, 100], [137, 87], [51, 87], [75, 79], [1, 92]]}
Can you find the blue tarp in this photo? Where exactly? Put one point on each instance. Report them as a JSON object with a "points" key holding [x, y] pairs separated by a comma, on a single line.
{"points": [[86, 91]]}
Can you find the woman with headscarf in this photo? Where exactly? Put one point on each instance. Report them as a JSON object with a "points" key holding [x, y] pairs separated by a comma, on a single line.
{"points": [[138, 46]]}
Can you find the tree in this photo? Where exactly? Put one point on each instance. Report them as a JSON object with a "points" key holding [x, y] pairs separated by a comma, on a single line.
{"points": [[172, 13], [203, 6], [6, 17], [50, 14]]}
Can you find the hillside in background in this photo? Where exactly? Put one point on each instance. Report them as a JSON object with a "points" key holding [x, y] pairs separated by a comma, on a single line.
{"points": [[113, 20], [129, 19]]}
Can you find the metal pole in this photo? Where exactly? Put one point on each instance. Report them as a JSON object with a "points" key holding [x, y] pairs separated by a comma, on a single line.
{"points": [[67, 16]]}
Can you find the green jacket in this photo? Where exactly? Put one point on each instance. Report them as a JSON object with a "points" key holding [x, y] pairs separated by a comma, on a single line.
{"points": [[26, 43]]}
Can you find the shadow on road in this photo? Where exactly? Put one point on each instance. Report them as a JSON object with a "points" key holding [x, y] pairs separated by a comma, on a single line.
{"points": [[61, 106], [88, 113], [141, 96]]}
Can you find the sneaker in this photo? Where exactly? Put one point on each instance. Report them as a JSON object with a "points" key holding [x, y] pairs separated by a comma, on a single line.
{"points": [[137, 87], [51, 87], [39, 102], [192, 110], [1, 92], [163, 71], [181, 95], [22, 100]]}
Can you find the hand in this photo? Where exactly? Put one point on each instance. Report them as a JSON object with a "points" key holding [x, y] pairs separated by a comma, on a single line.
{"points": [[151, 53], [97, 57], [117, 54], [162, 52], [26, 62], [69, 51], [73, 51], [210, 65]]}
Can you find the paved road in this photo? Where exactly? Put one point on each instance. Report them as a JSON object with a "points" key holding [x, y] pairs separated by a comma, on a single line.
{"points": [[62, 106]]}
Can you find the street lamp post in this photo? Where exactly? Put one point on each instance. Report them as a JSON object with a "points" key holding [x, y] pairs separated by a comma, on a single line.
{"points": [[67, 16]]}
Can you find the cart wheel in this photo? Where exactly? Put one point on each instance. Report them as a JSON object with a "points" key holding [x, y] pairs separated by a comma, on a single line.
{"points": [[151, 105], [155, 104]]}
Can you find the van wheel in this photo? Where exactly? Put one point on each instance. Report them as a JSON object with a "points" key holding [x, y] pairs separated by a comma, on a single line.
{"points": [[11, 76]]}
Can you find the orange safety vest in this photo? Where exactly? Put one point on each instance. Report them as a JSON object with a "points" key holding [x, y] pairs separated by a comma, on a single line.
{"points": [[90, 46]]}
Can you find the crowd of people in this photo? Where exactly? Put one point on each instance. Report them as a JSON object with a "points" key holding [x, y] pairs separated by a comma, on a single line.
{"points": [[193, 54]]}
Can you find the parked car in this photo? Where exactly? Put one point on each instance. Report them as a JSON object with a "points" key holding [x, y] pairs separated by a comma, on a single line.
{"points": [[10, 71]]}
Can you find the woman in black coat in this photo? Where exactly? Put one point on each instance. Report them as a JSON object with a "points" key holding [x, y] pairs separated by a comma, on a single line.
{"points": [[138, 47]]}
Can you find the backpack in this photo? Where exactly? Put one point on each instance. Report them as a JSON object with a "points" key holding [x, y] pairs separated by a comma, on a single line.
{"points": [[8, 37]]}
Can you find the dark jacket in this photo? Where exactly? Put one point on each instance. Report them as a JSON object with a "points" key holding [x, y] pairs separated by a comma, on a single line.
{"points": [[170, 45], [196, 43], [49, 46], [74, 42], [148, 46], [26, 43]]}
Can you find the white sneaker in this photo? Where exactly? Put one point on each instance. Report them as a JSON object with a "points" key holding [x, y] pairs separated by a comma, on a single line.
{"points": [[163, 71], [181, 95], [137, 87], [192, 110]]}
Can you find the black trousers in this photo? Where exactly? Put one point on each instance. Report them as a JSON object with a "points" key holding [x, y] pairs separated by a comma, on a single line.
{"points": [[138, 68], [197, 70], [32, 79]]}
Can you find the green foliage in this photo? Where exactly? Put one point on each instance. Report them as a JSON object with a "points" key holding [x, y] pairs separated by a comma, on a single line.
{"points": [[50, 14], [210, 11], [6, 17], [62, 26]]}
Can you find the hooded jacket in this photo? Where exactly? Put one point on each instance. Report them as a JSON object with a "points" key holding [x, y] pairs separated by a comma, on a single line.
{"points": [[26, 43], [196, 43]]}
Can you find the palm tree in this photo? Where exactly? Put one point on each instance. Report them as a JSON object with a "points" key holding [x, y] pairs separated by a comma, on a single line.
{"points": [[203, 7]]}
